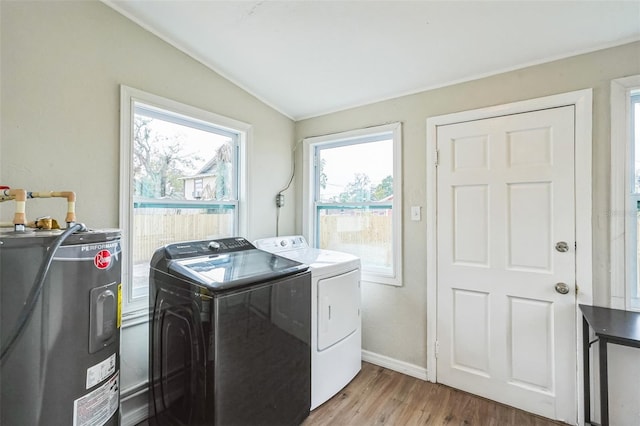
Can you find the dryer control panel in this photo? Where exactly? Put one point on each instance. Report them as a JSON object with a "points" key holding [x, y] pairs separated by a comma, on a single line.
{"points": [[279, 244]]}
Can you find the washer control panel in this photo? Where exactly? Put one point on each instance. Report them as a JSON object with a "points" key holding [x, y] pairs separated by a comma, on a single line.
{"points": [[207, 247]]}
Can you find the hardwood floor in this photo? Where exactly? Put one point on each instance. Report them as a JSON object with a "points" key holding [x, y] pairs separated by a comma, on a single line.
{"points": [[378, 396]]}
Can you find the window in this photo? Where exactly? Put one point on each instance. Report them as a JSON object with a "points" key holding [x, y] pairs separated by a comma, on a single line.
{"points": [[625, 193], [181, 180], [634, 196], [353, 198]]}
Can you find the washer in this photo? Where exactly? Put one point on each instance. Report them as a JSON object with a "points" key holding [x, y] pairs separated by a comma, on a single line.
{"points": [[229, 336], [336, 334]]}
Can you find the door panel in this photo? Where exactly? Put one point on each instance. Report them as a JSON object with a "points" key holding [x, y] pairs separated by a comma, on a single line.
{"points": [[505, 189], [470, 227], [530, 346], [529, 226], [471, 345]]}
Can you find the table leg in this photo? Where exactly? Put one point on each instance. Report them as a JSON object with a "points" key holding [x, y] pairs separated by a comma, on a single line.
{"points": [[604, 383], [585, 368]]}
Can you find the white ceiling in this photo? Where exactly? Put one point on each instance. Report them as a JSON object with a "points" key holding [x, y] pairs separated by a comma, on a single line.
{"points": [[307, 58]]}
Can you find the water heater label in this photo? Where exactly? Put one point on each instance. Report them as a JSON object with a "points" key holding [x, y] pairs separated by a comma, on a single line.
{"points": [[119, 313], [101, 371], [98, 406], [102, 255]]}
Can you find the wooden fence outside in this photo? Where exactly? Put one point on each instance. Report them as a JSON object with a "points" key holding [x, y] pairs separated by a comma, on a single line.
{"points": [[365, 235], [368, 236], [155, 230]]}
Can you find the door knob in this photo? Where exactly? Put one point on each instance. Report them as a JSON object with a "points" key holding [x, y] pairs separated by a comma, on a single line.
{"points": [[562, 246], [562, 288]]}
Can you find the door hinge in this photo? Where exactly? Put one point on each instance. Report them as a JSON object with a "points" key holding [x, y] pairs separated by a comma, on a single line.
{"points": [[436, 348], [437, 159]]}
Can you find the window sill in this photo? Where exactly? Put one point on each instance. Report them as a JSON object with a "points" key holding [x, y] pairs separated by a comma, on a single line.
{"points": [[377, 279]]}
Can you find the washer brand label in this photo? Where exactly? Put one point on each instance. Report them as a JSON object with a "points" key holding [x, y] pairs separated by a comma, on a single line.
{"points": [[102, 260]]}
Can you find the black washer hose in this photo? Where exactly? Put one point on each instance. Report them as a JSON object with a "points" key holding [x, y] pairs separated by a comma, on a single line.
{"points": [[36, 289]]}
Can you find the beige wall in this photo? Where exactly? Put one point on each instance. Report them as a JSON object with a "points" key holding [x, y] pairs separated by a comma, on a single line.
{"points": [[62, 66], [394, 319]]}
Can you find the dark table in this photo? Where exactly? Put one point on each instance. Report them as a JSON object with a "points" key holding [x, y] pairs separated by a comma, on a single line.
{"points": [[610, 326]]}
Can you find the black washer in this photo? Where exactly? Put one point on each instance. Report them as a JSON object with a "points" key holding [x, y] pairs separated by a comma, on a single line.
{"points": [[229, 337]]}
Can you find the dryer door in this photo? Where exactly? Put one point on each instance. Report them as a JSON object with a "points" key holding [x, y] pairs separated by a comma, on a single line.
{"points": [[338, 308]]}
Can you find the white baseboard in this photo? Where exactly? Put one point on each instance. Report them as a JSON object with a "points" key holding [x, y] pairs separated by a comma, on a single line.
{"points": [[135, 417], [134, 410], [395, 365]]}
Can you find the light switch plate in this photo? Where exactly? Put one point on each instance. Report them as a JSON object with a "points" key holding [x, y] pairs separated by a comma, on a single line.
{"points": [[415, 213]]}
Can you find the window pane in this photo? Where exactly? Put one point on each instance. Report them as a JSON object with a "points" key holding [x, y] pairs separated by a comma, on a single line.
{"points": [[636, 291], [355, 173], [635, 128], [184, 186], [169, 158], [354, 194], [158, 223], [363, 231]]}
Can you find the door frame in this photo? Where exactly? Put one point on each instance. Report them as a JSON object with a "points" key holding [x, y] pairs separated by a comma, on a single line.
{"points": [[582, 101]]}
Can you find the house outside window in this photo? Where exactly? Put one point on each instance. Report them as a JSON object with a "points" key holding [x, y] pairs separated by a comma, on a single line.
{"points": [[625, 193], [352, 196], [197, 184], [182, 171]]}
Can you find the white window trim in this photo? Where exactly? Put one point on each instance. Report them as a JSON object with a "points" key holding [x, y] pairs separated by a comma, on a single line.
{"points": [[622, 213], [308, 211], [128, 96]]}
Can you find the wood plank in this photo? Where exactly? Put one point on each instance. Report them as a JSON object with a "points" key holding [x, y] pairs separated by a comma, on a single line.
{"points": [[379, 396]]}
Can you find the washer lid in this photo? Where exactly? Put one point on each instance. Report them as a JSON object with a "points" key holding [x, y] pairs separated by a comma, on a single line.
{"points": [[222, 264], [234, 270]]}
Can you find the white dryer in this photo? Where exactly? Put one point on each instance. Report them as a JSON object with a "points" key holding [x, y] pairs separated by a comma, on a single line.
{"points": [[336, 336]]}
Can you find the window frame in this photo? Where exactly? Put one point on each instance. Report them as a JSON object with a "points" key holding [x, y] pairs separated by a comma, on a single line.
{"points": [[309, 210], [133, 308], [623, 213]]}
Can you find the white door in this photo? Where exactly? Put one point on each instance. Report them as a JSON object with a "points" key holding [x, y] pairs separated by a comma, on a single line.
{"points": [[505, 199]]}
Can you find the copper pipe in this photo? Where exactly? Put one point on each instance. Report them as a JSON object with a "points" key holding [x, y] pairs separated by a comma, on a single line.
{"points": [[20, 196], [71, 201]]}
